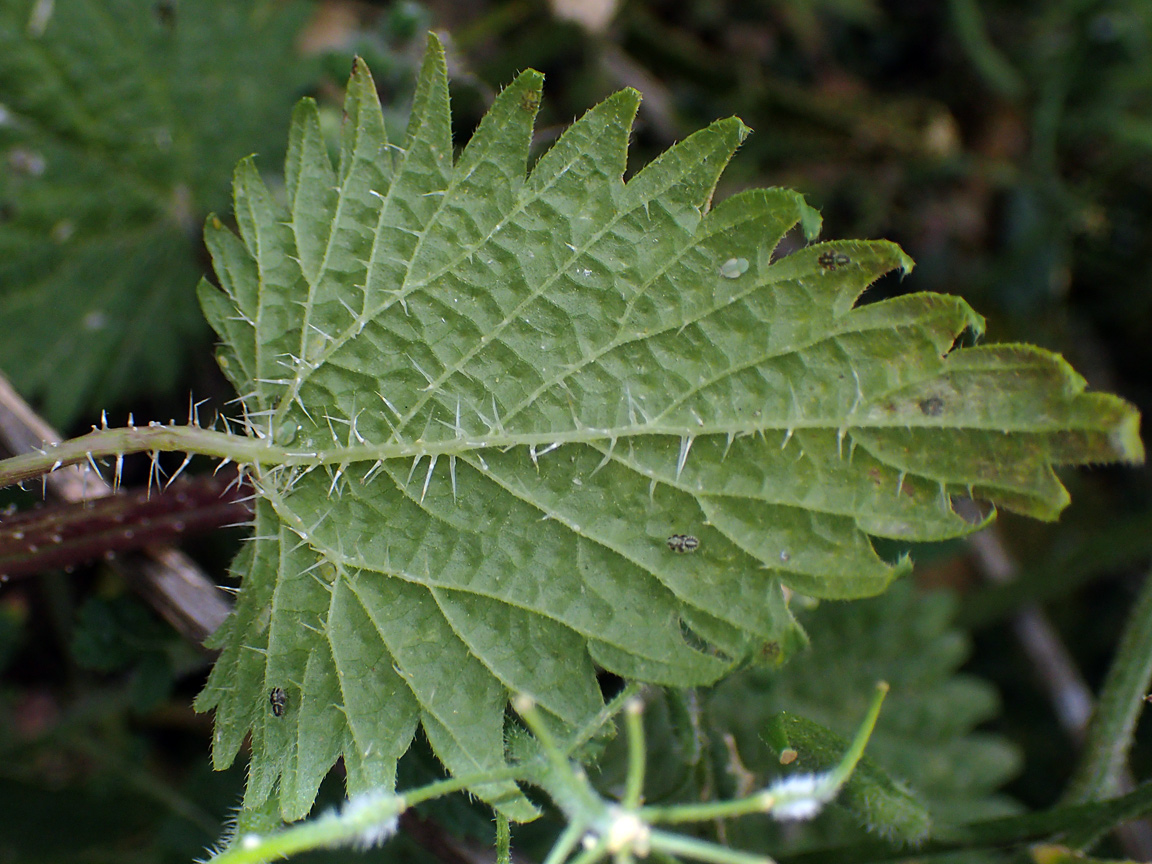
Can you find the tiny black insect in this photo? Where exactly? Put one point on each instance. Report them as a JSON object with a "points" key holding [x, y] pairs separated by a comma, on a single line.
{"points": [[933, 406], [681, 543], [279, 701], [833, 260]]}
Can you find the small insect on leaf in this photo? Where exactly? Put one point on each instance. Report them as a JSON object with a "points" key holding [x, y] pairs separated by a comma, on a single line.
{"points": [[833, 260], [932, 406], [279, 701], [682, 543], [530, 101]]}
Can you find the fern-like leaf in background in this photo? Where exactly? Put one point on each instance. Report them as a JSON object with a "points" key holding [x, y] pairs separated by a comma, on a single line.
{"points": [[925, 735], [119, 123], [523, 424]]}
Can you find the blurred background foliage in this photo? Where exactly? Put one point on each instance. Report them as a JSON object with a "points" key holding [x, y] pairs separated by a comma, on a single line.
{"points": [[1006, 144]]}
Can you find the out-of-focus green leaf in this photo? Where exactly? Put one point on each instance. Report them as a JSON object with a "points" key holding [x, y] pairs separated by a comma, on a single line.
{"points": [[119, 124], [881, 804], [924, 737]]}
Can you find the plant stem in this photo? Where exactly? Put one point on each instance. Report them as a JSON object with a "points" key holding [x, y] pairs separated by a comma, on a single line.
{"points": [[503, 840], [758, 803], [702, 850], [843, 770], [634, 720], [565, 844], [1113, 724], [366, 821], [459, 784], [603, 716], [104, 443]]}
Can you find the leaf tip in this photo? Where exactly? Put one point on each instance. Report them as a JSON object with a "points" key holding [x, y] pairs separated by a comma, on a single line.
{"points": [[905, 262], [433, 49], [1125, 438], [743, 130], [304, 110], [245, 172], [811, 222], [360, 79]]}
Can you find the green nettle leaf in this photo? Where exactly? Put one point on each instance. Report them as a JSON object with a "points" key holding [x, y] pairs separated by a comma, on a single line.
{"points": [[119, 124], [927, 733], [521, 425]]}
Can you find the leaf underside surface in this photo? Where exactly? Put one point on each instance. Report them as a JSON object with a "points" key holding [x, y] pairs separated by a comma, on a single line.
{"points": [[562, 421]]}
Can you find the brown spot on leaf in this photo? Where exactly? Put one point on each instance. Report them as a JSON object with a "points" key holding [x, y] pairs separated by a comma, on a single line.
{"points": [[530, 101], [933, 406]]}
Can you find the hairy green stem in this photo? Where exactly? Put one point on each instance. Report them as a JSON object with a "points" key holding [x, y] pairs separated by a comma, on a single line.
{"points": [[761, 802], [364, 821], [842, 771], [564, 846], [610, 710], [634, 721], [701, 850], [459, 784], [503, 840], [570, 791], [1113, 725], [104, 443]]}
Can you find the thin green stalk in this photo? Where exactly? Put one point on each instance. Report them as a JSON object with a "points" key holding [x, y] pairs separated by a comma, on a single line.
{"points": [[458, 784], [593, 852], [570, 792], [255, 450], [614, 707], [702, 850], [844, 769], [761, 802], [526, 707], [634, 784], [1121, 700], [565, 844]]}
